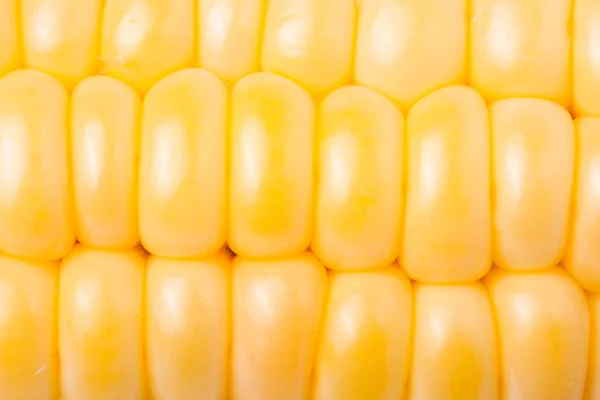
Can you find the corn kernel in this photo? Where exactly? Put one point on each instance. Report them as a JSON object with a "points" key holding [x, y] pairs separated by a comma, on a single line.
{"points": [[521, 48], [585, 57], [310, 41], [182, 167], [543, 328], [446, 236], [60, 37], [533, 156], [10, 54], [104, 146], [100, 325], [229, 36], [364, 347], [36, 219], [277, 306], [408, 48], [582, 256], [28, 334], [271, 174], [143, 41], [454, 351], [359, 180], [592, 388], [187, 331]]}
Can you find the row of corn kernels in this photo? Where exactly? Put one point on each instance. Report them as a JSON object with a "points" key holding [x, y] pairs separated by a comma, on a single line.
{"points": [[110, 325], [403, 48], [210, 173]]}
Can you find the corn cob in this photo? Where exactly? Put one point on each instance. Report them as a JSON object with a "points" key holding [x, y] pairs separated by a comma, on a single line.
{"points": [[299, 199]]}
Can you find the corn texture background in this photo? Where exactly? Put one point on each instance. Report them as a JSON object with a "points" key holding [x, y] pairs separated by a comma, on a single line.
{"points": [[299, 199]]}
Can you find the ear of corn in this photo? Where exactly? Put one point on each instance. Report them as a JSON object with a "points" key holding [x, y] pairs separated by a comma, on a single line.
{"points": [[299, 199]]}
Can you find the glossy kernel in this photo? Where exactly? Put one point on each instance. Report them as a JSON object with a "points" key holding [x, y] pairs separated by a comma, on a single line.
{"points": [[36, 219], [582, 256], [182, 208], [310, 41], [100, 323], [143, 41], [454, 350], [447, 228], [10, 52], [533, 153], [28, 329], [188, 326], [271, 175], [543, 331], [365, 343], [585, 59], [277, 307], [592, 387], [229, 37], [61, 37], [359, 184], [104, 148], [521, 48], [408, 48]]}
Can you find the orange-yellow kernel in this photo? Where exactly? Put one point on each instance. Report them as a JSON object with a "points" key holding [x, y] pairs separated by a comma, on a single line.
{"points": [[447, 230], [182, 181], [359, 180], [36, 214], [61, 37], [271, 167], [543, 333], [100, 323], [105, 117], [582, 255], [229, 37], [521, 49], [10, 52], [533, 157], [188, 327], [277, 307], [28, 330], [310, 41], [143, 41], [365, 343], [408, 48], [454, 348]]}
